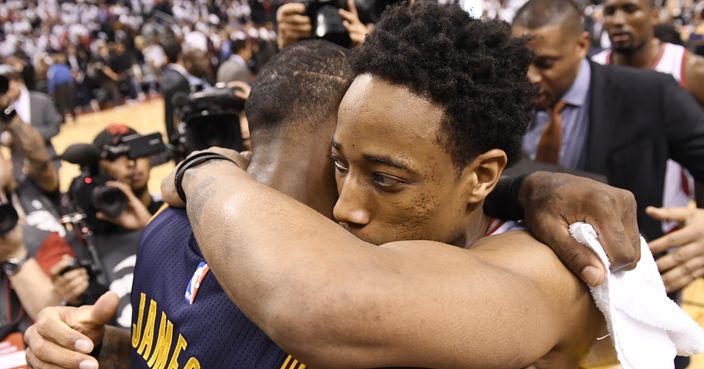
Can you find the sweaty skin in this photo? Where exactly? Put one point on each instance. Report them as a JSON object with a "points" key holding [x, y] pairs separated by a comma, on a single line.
{"points": [[505, 302]]}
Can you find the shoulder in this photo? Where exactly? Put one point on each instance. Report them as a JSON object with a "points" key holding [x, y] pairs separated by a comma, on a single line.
{"points": [[171, 78], [632, 84], [518, 271], [531, 260], [39, 97], [516, 254], [169, 225], [623, 74], [522, 253]]}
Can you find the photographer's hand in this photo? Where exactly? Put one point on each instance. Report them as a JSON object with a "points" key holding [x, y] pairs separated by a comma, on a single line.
{"points": [[242, 89], [12, 244], [72, 284], [293, 24], [30, 282], [31, 143], [135, 216], [350, 19], [168, 190], [65, 336]]}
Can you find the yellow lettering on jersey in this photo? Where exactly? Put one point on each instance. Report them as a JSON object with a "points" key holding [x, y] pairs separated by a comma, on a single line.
{"points": [[163, 343], [180, 346], [192, 363], [137, 329], [145, 347], [156, 354], [285, 364], [291, 363]]}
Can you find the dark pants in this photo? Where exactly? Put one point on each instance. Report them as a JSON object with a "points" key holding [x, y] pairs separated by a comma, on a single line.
{"points": [[65, 98]]}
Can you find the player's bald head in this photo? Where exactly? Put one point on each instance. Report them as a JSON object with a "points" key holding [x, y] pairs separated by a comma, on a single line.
{"points": [[546, 13]]}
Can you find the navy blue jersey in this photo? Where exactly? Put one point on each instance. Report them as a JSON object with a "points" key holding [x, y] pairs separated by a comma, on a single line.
{"points": [[181, 317]]}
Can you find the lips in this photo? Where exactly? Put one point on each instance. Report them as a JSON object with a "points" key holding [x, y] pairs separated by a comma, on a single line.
{"points": [[541, 100], [620, 37]]}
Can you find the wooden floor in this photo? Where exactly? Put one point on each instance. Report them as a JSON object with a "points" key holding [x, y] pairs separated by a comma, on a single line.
{"points": [[148, 117]]}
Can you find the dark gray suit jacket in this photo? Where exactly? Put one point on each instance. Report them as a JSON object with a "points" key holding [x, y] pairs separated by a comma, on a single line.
{"points": [[232, 70], [639, 119]]}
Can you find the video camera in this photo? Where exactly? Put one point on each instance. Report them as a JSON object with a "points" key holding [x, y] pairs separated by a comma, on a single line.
{"points": [[327, 23], [210, 117], [88, 192]]}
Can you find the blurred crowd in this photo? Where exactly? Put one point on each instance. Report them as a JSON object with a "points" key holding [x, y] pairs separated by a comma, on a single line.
{"points": [[680, 21], [93, 54]]}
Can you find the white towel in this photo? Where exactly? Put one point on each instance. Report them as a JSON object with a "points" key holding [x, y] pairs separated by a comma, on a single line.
{"points": [[647, 328]]}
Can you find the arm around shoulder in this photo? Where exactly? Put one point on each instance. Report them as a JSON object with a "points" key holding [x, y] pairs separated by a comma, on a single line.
{"points": [[335, 301]]}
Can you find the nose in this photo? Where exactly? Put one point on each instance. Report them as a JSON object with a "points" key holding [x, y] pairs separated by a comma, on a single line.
{"points": [[131, 164], [617, 19], [350, 207], [534, 75]]}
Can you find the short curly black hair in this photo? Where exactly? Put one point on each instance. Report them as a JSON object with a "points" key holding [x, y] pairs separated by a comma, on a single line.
{"points": [[471, 68]]}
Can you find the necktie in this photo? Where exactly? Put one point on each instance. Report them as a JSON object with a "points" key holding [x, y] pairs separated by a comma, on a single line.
{"points": [[549, 145]]}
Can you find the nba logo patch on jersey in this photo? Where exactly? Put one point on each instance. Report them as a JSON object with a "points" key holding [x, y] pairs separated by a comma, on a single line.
{"points": [[196, 280]]}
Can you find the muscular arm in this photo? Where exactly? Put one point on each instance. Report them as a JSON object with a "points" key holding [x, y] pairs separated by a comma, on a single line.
{"points": [[115, 349], [41, 169], [336, 301]]}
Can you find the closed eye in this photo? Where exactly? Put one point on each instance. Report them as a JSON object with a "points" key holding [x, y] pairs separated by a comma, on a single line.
{"points": [[386, 181], [340, 166]]}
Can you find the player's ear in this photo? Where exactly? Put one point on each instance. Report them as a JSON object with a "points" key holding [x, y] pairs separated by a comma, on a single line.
{"points": [[481, 175]]}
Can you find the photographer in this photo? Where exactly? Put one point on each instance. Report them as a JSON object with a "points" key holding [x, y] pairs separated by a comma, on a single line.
{"points": [[187, 71], [112, 195], [35, 109], [131, 177], [295, 25], [31, 242]]}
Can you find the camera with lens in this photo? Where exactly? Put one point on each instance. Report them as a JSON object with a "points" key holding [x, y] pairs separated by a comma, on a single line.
{"points": [[210, 117], [88, 192], [327, 22]]}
